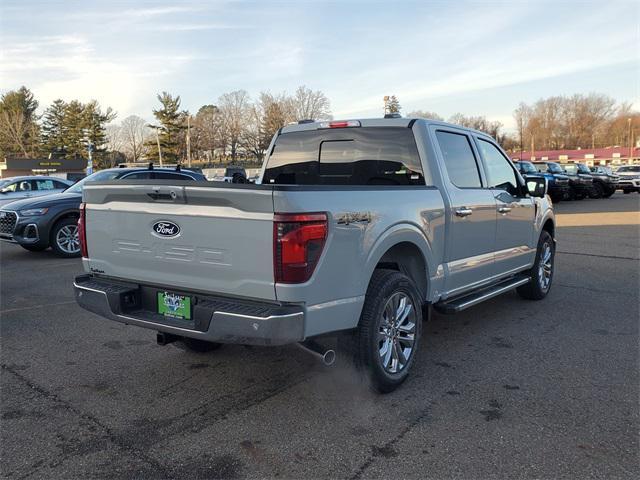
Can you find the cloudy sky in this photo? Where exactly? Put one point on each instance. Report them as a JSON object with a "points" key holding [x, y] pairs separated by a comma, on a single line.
{"points": [[478, 58]]}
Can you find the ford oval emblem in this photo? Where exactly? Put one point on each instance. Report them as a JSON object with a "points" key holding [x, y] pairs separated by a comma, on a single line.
{"points": [[166, 229]]}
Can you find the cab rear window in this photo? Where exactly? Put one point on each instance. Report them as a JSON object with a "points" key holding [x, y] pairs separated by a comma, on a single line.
{"points": [[346, 156]]}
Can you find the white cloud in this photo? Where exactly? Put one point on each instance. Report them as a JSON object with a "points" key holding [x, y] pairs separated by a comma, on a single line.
{"points": [[68, 67]]}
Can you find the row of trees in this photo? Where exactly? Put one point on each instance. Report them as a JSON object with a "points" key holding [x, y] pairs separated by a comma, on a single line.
{"points": [[235, 127], [560, 122], [492, 127], [238, 127], [577, 121], [64, 128]]}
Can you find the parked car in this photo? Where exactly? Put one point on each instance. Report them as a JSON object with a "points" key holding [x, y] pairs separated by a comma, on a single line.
{"points": [[235, 174], [604, 180], [629, 178], [578, 186], [580, 172], [558, 184], [354, 228], [17, 188], [51, 221]]}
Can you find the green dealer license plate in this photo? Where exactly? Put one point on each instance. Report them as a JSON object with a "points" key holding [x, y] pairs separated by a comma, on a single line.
{"points": [[173, 305]]}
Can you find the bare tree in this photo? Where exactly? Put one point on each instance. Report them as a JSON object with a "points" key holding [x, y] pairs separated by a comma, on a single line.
{"points": [[134, 133], [481, 123], [425, 114], [308, 104], [234, 107], [208, 134], [115, 138]]}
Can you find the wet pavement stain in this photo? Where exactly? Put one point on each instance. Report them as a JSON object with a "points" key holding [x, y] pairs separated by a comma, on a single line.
{"points": [[499, 342], [443, 364], [494, 413], [113, 345], [385, 452]]}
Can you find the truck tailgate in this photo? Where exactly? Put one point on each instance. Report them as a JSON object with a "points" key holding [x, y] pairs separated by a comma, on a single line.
{"points": [[192, 237]]}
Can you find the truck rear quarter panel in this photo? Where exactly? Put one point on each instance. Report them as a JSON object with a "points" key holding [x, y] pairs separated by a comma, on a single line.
{"points": [[364, 222]]}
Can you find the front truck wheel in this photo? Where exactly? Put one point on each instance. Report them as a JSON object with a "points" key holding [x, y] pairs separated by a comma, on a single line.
{"points": [[387, 338], [542, 271]]}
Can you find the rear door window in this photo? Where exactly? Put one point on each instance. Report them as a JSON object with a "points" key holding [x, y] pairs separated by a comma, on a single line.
{"points": [[45, 185], [345, 156], [459, 159]]}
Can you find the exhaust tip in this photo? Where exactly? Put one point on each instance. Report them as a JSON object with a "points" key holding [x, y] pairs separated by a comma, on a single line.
{"points": [[329, 358]]}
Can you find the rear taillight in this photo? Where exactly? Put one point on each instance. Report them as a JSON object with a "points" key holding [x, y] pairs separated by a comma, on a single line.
{"points": [[82, 231], [298, 240]]}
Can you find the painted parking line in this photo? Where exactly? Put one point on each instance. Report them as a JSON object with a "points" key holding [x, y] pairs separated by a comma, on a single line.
{"points": [[599, 219]]}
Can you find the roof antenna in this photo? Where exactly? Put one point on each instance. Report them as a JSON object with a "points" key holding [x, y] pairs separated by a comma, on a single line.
{"points": [[150, 165], [178, 167]]}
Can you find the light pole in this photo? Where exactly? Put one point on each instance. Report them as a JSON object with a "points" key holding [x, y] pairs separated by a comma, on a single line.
{"points": [[630, 143], [189, 140], [156, 128], [90, 159]]}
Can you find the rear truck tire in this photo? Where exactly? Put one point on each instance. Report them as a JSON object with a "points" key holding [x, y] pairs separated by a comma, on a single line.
{"points": [[627, 191], [35, 248], [196, 345], [597, 191], [542, 271], [64, 238], [573, 194], [385, 343]]}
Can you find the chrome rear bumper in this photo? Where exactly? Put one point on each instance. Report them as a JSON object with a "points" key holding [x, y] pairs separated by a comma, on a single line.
{"points": [[215, 319]]}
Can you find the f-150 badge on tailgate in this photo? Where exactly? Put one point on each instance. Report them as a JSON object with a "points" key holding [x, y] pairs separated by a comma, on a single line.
{"points": [[164, 228]]}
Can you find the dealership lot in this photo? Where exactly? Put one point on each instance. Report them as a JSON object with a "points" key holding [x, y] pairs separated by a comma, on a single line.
{"points": [[507, 389]]}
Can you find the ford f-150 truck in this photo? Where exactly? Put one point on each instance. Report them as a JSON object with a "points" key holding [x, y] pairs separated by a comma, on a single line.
{"points": [[354, 230]]}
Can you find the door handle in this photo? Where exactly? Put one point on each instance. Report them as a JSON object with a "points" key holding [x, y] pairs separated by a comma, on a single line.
{"points": [[464, 212], [504, 209]]}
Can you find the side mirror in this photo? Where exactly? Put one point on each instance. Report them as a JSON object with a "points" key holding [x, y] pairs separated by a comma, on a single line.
{"points": [[537, 187]]}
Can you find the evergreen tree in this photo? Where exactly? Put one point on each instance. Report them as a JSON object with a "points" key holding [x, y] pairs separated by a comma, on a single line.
{"points": [[170, 129], [73, 128], [69, 128], [53, 127], [95, 131], [393, 105]]}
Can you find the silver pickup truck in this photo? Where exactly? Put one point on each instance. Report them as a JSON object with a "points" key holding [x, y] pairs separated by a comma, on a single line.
{"points": [[354, 229]]}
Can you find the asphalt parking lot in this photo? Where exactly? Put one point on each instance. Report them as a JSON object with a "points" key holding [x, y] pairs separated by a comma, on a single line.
{"points": [[507, 389]]}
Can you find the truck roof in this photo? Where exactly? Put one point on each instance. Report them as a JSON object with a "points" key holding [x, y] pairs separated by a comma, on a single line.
{"points": [[403, 122]]}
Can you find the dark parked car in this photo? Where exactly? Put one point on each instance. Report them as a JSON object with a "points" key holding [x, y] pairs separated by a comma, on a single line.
{"points": [[579, 185], [558, 184], [604, 180], [51, 221], [580, 172]]}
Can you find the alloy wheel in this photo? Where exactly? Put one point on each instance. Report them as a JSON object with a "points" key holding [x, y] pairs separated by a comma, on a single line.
{"points": [[68, 239], [396, 335], [545, 269]]}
